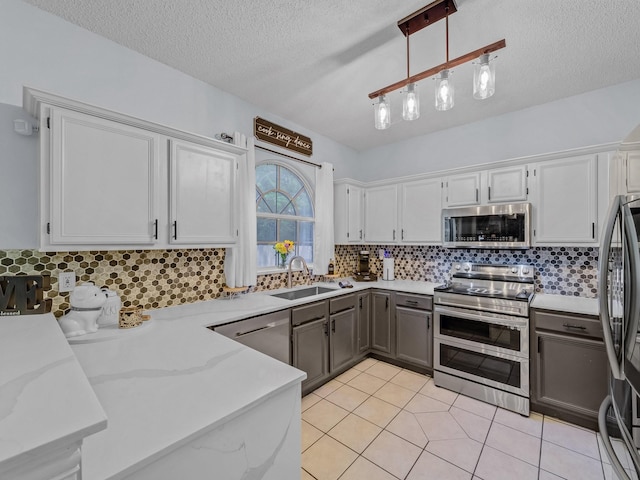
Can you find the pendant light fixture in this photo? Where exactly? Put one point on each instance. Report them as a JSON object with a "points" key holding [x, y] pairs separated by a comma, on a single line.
{"points": [[484, 68], [411, 100], [444, 91], [382, 113], [484, 77]]}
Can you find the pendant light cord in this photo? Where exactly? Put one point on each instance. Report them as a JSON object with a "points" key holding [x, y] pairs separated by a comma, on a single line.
{"points": [[446, 18], [407, 34]]}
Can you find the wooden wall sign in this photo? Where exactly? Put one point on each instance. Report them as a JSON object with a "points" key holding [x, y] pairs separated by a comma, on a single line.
{"points": [[282, 137], [22, 295]]}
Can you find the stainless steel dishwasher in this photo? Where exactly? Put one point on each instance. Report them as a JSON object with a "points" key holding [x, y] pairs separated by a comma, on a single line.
{"points": [[269, 334]]}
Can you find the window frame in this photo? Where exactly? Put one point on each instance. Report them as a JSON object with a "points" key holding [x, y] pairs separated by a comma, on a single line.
{"points": [[310, 192]]}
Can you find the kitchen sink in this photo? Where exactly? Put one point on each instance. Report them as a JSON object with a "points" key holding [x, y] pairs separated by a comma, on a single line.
{"points": [[303, 292]]}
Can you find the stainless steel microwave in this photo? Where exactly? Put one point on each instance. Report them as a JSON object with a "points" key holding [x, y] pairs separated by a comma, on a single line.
{"points": [[487, 226]]}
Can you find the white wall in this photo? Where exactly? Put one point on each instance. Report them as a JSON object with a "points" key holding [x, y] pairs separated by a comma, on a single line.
{"points": [[45, 52], [594, 118]]}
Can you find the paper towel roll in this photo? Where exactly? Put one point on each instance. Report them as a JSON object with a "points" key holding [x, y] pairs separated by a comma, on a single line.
{"points": [[387, 269]]}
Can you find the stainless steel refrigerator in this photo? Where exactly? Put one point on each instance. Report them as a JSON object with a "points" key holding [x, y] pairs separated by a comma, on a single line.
{"points": [[619, 289]]}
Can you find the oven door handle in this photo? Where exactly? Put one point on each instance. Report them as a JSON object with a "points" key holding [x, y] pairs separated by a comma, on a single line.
{"points": [[478, 317]]}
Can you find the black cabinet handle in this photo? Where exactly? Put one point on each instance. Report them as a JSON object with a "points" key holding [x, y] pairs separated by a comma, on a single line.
{"points": [[155, 235], [175, 230], [402, 234], [386, 305], [489, 193], [325, 327], [360, 300], [360, 234], [394, 235], [577, 327], [333, 326], [428, 322], [476, 194]]}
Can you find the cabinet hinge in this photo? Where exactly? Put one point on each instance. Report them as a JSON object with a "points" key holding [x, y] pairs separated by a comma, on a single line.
{"points": [[48, 228], [48, 122], [527, 172]]}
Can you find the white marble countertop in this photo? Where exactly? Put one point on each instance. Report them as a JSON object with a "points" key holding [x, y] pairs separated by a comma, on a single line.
{"points": [[45, 398], [175, 379], [565, 303]]}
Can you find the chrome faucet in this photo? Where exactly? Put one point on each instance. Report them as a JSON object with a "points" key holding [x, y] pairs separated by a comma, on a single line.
{"points": [[304, 264]]}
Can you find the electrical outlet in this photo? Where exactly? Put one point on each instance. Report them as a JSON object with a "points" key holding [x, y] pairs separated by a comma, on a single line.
{"points": [[66, 281]]}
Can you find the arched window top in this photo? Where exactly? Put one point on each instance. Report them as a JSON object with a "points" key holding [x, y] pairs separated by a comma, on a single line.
{"points": [[280, 191]]}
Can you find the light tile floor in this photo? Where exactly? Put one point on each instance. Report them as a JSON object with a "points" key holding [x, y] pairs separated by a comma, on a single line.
{"points": [[380, 422]]}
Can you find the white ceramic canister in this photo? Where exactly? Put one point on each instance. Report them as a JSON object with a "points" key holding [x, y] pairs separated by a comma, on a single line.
{"points": [[111, 308]]}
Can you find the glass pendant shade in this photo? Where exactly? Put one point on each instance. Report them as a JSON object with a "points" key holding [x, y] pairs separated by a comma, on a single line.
{"points": [[484, 77], [411, 103], [444, 91], [382, 113]]}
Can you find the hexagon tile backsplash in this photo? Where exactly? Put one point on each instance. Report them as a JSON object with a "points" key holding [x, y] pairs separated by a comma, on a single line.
{"points": [[162, 278]]}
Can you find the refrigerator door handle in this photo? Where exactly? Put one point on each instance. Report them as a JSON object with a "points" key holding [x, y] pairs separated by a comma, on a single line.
{"points": [[603, 268], [631, 287], [606, 441]]}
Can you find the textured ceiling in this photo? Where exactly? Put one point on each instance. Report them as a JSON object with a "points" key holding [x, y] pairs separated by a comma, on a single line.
{"points": [[315, 62]]}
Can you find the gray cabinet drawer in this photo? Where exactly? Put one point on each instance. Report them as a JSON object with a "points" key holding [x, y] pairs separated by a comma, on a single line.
{"points": [[420, 302], [342, 303], [307, 313], [567, 323]]}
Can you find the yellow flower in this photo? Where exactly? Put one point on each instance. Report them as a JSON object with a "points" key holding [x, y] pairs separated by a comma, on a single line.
{"points": [[283, 248]]}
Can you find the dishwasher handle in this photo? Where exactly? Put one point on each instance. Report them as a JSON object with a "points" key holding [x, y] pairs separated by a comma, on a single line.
{"points": [[249, 332]]}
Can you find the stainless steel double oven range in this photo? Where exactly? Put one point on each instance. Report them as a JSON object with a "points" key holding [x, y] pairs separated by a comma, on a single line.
{"points": [[481, 335]]}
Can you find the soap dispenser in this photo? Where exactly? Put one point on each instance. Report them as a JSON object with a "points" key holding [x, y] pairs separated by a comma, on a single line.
{"points": [[331, 270]]}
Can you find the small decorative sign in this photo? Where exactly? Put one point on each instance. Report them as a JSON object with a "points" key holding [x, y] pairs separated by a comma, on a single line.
{"points": [[23, 295], [282, 137]]}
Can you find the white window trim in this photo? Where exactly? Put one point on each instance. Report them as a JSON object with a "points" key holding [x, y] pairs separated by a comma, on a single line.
{"points": [[312, 194]]}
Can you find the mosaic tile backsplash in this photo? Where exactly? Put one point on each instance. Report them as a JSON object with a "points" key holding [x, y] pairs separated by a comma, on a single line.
{"points": [[162, 278], [559, 270]]}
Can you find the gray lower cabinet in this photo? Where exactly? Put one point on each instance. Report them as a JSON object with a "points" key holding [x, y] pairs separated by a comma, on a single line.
{"points": [[414, 332], [382, 328], [569, 367], [343, 326], [414, 337], [310, 343], [364, 322]]}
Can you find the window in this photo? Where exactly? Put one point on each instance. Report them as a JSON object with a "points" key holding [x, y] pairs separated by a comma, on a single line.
{"points": [[284, 210]]}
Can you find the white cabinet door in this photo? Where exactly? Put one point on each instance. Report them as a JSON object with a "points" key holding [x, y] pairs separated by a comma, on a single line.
{"points": [[202, 191], [381, 214], [565, 201], [507, 184], [102, 182], [421, 207], [463, 189], [348, 213], [633, 172], [355, 204]]}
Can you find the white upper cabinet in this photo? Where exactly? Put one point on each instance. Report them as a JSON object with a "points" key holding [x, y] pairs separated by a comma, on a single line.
{"points": [[102, 179], [348, 204], [202, 182], [110, 181], [565, 201], [508, 184], [463, 189], [381, 214], [421, 211], [632, 171]]}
